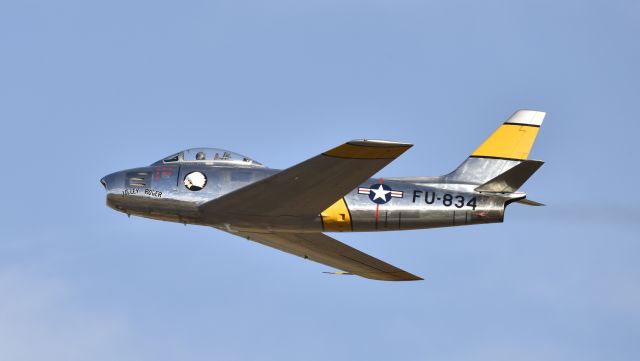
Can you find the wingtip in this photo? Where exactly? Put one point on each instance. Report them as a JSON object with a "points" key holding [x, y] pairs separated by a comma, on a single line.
{"points": [[380, 143], [392, 276], [369, 149], [408, 279], [415, 278]]}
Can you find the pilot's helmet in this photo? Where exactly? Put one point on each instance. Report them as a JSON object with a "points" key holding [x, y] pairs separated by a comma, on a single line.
{"points": [[200, 156]]}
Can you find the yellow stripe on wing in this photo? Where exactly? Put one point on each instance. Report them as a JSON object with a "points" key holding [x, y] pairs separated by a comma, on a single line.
{"points": [[368, 150]]}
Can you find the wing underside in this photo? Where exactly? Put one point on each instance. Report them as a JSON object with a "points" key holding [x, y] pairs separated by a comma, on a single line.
{"points": [[323, 249]]}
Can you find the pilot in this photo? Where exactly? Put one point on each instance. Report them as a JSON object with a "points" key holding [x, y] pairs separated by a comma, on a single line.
{"points": [[200, 156]]}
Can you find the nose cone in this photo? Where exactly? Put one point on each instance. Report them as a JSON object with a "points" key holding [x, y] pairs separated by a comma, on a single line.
{"points": [[109, 181]]}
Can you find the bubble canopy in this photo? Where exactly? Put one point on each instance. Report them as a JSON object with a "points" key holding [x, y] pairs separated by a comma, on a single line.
{"points": [[211, 156]]}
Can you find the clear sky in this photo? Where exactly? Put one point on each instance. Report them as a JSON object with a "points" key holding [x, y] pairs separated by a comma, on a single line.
{"points": [[88, 88]]}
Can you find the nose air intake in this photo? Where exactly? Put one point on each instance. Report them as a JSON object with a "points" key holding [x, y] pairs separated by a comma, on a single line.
{"points": [[104, 183]]}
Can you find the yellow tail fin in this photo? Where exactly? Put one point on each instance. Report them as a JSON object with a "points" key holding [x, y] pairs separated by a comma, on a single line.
{"points": [[507, 147], [513, 139]]}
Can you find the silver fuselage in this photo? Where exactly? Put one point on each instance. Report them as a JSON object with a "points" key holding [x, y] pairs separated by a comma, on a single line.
{"points": [[158, 192]]}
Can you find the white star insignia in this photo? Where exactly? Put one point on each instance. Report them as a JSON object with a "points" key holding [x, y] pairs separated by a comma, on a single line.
{"points": [[380, 193]]}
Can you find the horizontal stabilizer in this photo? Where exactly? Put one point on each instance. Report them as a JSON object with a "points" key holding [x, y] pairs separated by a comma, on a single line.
{"points": [[512, 179], [529, 202]]}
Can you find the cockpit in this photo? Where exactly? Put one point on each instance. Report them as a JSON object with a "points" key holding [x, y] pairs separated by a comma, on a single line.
{"points": [[209, 156]]}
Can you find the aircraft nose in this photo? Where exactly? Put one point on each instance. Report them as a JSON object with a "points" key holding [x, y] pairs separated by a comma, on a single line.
{"points": [[109, 181]]}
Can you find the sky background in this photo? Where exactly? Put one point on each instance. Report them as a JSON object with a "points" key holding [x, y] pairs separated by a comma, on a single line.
{"points": [[88, 88]]}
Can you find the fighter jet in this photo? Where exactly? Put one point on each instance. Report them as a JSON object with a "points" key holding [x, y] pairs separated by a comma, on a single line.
{"points": [[293, 209]]}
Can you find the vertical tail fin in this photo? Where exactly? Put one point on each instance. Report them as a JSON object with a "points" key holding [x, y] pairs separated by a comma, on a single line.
{"points": [[507, 147]]}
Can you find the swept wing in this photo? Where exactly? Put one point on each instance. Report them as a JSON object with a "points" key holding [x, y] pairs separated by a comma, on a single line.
{"points": [[304, 191], [308, 188], [323, 249]]}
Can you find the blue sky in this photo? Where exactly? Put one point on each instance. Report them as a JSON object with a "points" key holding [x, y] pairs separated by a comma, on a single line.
{"points": [[88, 88]]}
